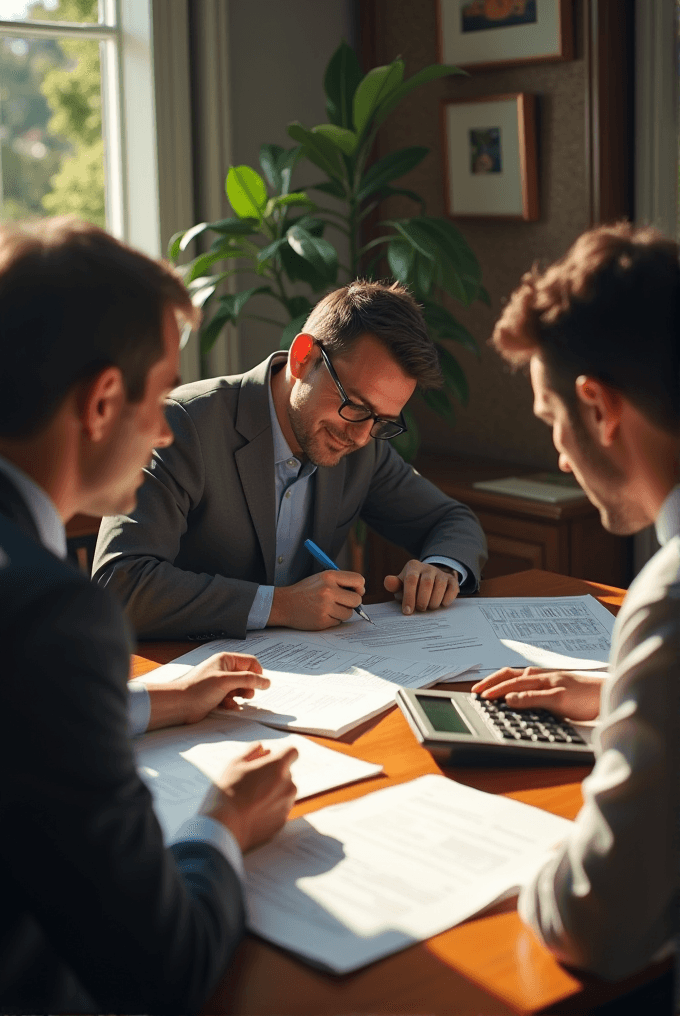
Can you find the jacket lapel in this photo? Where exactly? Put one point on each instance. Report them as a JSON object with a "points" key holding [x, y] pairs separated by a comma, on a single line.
{"points": [[255, 460], [329, 487]]}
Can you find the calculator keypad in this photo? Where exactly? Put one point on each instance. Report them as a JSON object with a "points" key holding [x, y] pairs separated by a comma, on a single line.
{"points": [[538, 726]]}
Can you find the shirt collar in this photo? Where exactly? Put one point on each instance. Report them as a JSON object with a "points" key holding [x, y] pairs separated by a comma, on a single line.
{"points": [[282, 450], [667, 523], [41, 508]]}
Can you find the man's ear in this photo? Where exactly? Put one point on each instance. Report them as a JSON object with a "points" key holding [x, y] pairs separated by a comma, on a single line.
{"points": [[300, 354], [100, 402], [601, 408]]}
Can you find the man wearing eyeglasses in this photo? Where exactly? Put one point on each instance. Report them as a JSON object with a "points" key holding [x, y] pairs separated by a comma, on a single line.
{"points": [[296, 448]]}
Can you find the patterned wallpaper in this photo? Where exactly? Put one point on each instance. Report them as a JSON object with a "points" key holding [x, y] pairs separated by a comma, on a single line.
{"points": [[498, 423]]}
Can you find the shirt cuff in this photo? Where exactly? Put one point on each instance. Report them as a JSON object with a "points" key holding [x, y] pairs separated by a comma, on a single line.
{"points": [[261, 608], [450, 562], [201, 829], [139, 709]]}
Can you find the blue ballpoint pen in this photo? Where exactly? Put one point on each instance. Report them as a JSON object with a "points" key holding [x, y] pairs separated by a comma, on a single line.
{"points": [[325, 559]]}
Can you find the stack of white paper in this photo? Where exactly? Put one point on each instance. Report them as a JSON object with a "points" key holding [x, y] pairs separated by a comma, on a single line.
{"points": [[357, 881], [179, 764], [328, 682]]}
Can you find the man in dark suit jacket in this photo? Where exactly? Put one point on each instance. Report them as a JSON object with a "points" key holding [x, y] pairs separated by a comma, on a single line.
{"points": [[97, 914], [294, 448]]}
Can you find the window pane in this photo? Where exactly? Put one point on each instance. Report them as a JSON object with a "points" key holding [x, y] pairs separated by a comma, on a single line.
{"points": [[51, 146], [83, 11]]}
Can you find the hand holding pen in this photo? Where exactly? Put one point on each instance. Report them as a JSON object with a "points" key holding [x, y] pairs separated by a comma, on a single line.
{"points": [[325, 560]]}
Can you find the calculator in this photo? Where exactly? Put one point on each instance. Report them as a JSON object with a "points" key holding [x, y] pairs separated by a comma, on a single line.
{"points": [[461, 727]]}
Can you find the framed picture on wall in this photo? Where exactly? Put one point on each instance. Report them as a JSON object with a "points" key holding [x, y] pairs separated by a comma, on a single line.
{"points": [[489, 147], [482, 34]]}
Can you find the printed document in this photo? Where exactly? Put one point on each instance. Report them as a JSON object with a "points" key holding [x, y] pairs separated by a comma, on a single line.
{"points": [[328, 682], [178, 764], [351, 883]]}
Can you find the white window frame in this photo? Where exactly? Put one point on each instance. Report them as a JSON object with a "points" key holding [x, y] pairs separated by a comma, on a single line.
{"points": [[128, 113]]}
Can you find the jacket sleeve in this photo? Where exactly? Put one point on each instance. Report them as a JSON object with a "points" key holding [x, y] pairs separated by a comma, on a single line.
{"points": [[135, 554], [144, 928], [607, 901], [410, 511]]}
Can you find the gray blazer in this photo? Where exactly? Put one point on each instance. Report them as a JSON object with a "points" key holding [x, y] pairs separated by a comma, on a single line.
{"points": [[189, 559]]}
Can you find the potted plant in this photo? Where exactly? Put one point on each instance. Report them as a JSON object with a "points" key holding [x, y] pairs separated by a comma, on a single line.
{"points": [[285, 235]]}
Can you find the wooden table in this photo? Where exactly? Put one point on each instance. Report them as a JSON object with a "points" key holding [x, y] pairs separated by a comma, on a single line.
{"points": [[488, 966]]}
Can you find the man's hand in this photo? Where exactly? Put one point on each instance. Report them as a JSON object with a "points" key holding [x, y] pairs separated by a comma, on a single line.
{"points": [[569, 693], [254, 795], [320, 601], [215, 682], [423, 586]]}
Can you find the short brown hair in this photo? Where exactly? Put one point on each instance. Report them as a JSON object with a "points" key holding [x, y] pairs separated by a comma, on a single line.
{"points": [[609, 309], [388, 312], [74, 300]]}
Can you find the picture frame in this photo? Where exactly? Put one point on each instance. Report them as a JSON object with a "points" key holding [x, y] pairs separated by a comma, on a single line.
{"points": [[490, 167], [486, 34]]}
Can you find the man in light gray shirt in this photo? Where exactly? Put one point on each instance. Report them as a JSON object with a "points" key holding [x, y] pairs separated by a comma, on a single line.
{"points": [[600, 331]]}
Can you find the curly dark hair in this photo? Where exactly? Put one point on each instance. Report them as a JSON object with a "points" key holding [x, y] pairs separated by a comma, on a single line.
{"points": [[609, 309]]}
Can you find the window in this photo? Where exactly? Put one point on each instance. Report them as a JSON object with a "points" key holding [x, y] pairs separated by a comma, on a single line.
{"points": [[77, 121]]}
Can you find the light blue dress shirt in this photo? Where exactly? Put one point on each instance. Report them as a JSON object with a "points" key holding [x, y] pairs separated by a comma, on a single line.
{"points": [[294, 485], [53, 538]]}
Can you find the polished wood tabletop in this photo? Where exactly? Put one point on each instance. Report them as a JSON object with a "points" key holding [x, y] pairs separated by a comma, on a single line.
{"points": [[489, 966]]}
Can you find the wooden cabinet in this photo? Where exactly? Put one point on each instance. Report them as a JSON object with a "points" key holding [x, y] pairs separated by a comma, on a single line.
{"points": [[567, 538]]}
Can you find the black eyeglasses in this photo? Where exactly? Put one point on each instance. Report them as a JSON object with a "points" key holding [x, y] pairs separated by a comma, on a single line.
{"points": [[382, 430]]}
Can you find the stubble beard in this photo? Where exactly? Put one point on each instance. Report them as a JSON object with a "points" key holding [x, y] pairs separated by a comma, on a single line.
{"points": [[313, 445]]}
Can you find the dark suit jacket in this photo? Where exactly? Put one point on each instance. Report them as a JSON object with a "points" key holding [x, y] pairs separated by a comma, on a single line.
{"points": [[202, 538], [96, 915]]}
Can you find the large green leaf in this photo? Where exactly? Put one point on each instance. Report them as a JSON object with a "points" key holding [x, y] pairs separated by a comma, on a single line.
{"points": [[458, 252], [174, 244], [269, 161], [342, 138], [180, 241], [271, 250], [388, 192], [298, 306], [246, 191], [310, 223], [332, 187], [453, 374], [202, 289], [373, 90], [389, 168], [425, 275], [438, 401], [401, 259], [314, 249], [317, 149], [342, 76], [234, 227], [210, 331], [300, 270], [439, 320], [430, 73], [417, 238], [203, 262], [287, 162], [296, 199], [291, 330]]}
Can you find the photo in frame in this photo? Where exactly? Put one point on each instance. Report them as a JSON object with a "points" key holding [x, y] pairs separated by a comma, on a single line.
{"points": [[484, 34], [489, 147]]}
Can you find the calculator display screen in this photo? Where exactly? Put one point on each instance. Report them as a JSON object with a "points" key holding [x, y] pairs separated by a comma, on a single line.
{"points": [[443, 715]]}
